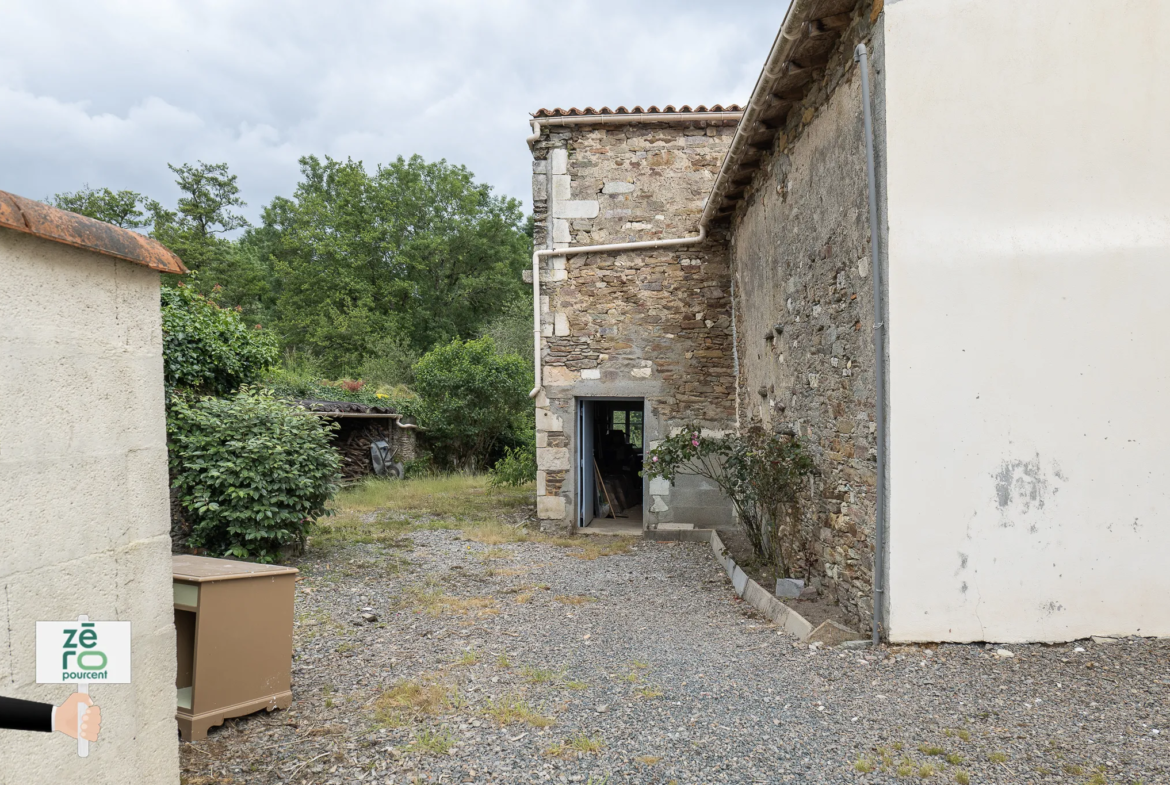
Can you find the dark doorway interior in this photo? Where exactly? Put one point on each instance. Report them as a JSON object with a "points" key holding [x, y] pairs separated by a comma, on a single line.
{"points": [[617, 455]]}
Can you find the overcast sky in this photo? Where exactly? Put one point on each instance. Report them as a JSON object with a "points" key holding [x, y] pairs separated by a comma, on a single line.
{"points": [[107, 93]]}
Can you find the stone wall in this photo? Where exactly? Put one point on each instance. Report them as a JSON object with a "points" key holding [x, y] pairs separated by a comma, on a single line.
{"points": [[653, 324], [800, 255], [84, 524]]}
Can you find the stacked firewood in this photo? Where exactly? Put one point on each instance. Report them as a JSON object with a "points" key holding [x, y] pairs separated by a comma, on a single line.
{"points": [[354, 447]]}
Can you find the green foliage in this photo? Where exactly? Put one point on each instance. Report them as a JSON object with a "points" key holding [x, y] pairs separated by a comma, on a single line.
{"points": [[517, 467], [416, 251], [470, 398], [760, 472], [390, 362], [251, 472], [209, 349], [127, 209], [511, 330]]}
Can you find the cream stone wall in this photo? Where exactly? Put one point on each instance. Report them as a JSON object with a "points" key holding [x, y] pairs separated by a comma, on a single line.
{"points": [[1029, 257], [84, 521]]}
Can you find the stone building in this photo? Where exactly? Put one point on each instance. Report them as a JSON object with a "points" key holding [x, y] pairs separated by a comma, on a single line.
{"points": [[1018, 273], [639, 335]]}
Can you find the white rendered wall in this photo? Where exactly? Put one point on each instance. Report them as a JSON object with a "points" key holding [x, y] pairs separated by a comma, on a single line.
{"points": [[1029, 256], [84, 515]]}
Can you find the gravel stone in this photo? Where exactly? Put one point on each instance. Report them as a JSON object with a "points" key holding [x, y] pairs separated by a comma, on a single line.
{"points": [[677, 678]]}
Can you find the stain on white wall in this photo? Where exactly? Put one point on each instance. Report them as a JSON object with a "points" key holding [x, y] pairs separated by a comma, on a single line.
{"points": [[1029, 254]]}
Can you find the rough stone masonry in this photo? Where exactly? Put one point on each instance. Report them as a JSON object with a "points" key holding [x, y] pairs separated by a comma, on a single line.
{"points": [[653, 324]]}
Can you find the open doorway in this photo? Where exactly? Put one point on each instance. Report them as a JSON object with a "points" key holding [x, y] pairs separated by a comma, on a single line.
{"points": [[609, 463]]}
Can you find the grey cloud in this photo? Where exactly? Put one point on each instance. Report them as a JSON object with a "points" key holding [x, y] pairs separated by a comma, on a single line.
{"points": [[108, 94]]}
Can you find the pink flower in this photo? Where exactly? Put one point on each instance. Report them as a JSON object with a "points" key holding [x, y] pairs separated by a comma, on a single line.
{"points": [[654, 459], [695, 442]]}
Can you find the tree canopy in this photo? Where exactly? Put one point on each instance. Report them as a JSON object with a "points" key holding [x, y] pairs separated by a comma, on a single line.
{"points": [[406, 257]]}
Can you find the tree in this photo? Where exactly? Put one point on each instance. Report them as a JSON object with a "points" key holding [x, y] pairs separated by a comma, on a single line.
{"points": [[210, 190], [415, 251], [127, 209], [469, 398], [208, 349]]}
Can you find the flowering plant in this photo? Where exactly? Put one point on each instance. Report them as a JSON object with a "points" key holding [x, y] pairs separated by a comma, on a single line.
{"points": [[759, 472]]}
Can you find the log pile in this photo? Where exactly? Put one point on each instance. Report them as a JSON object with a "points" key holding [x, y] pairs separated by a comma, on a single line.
{"points": [[356, 435], [354, 444]]}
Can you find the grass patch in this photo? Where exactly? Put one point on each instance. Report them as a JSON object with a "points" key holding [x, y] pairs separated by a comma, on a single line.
{"points": [[963, 778], [512, 710], [494, 553], [597, 547], [579, 745], [539, 675], [459, 496], [468, 657], [954, 759], [498, 533], [413, 700], [523, 597], [428, 742], [503, 662], [864, 765], [574, 599], [346, 527], [927, 749], [649, 692], [576, 685], [997, 757], [648, 760], [435, 602]]}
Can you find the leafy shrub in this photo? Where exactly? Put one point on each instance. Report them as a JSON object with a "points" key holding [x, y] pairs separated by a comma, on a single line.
{"points": [[252, 473], [469, 398], [299, 384], [760, 472], [517, 467], [208, 349]]}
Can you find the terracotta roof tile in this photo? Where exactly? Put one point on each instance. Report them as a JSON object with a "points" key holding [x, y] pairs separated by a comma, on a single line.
{"points": [[668, 109], [62, 226]]}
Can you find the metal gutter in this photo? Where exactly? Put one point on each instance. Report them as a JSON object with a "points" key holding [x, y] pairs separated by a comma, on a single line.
{"points": [[861, 55]]}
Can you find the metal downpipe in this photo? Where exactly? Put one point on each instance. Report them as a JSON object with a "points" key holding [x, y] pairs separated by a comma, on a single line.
{"points": [[861, 56]]}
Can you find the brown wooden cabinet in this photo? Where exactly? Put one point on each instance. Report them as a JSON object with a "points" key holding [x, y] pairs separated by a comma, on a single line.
{"points": [[234, 623]]}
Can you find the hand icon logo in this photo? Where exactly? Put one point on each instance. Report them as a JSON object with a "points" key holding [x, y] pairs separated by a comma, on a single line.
{"points": [[65, 718]]}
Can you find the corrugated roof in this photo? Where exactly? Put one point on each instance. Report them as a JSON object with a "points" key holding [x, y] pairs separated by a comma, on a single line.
{"points": [[605, 110], [62, 226]]}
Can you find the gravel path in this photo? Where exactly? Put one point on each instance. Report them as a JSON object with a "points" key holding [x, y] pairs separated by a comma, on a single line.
{"points": [[652, 671]]}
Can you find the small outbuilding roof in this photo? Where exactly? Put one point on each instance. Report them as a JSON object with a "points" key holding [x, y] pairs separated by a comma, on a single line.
{"points": [[62, 226]]}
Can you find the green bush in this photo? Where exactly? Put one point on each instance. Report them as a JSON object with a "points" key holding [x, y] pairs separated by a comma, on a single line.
{"points": [[208, 349], [252, 473], [761, 473], [469, 399], [517, 467]]}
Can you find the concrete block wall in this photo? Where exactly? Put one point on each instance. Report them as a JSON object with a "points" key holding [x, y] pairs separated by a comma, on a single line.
{"points": [[654, 324], [800, 256], [84, 517]]}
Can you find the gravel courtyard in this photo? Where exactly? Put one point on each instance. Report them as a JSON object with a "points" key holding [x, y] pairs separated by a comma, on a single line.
{"points": [[485, 659]]}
